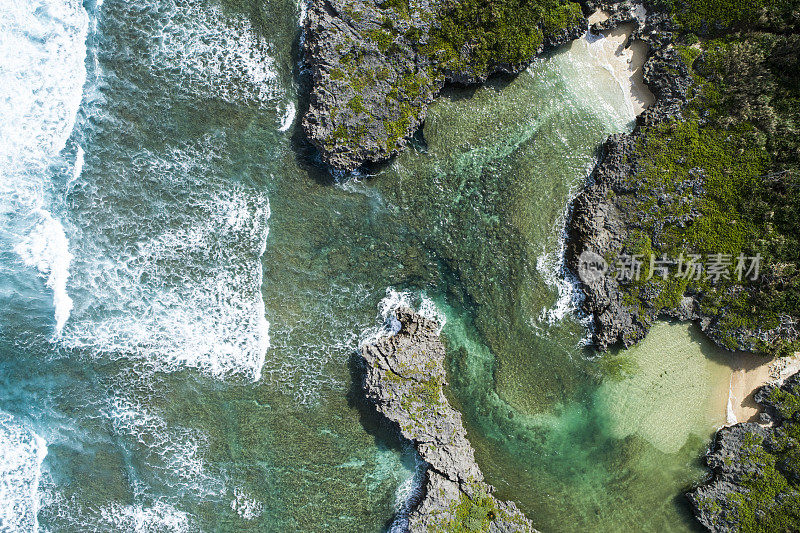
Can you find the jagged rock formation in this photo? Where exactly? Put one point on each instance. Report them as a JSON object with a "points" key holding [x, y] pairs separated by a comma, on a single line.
{"points": [[755, 484], [378, 64], [599, 224], [634, 204], [404, 379]]}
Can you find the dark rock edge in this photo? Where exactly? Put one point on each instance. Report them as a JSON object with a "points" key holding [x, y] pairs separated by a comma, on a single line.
{"points": [[330, 27], [404, 378]]}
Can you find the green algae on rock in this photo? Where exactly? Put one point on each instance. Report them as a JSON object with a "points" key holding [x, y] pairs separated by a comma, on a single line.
{"points": [[711, 175], [378, 64], [755, 485], [404, 379]]}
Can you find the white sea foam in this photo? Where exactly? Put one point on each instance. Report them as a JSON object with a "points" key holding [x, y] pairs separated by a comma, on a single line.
{"points": [[408, 495], [387, 323], [41, 81], [77, 169], [189, 295], [315, 332], [173, 454], [245, 505], [40, 92], [551, 266], [730, 412], [216, 55], [288, 117], [302, 8], [21, 455], [46, 247], [73, 514], [157, 518]]}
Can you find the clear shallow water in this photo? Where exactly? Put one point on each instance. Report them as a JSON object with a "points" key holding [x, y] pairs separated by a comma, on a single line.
{"points": [[182, 289]]}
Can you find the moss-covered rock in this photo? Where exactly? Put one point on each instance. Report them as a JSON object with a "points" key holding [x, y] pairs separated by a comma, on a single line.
{"points": [[378, 64], [405, 379], [715, 178], [756, 481]]}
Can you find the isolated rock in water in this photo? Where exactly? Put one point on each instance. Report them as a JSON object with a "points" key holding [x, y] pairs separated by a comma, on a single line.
{"points": [[404, 379], [377, 64]]}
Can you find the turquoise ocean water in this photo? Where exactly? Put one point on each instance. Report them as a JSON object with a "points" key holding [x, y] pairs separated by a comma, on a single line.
{"points": [[183, 289]]}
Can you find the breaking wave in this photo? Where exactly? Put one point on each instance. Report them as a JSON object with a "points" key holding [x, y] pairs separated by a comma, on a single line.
{"points": [[40, 92], [21, 455], [185, 291]]}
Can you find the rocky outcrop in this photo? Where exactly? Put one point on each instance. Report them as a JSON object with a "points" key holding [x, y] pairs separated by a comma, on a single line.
{"points": [[404, 379], [713, 503], [617, 206], [376, 69], [601, 217], [755, 468]]}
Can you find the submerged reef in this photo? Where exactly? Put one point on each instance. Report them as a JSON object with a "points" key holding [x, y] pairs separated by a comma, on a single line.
{"points": [[404, 380], [378, 64]]}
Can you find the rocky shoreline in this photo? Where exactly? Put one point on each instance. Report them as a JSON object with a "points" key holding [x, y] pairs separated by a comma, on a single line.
{"points": [[745, 454], [600, 223], [404, 379], [377, 66], [753, 485], [606, 217]]}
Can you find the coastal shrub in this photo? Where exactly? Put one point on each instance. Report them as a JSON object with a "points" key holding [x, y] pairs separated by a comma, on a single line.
{"points": [[719, 16], [383, 39], [473, 515], [473, 33], [357, 104], [724, 179]]}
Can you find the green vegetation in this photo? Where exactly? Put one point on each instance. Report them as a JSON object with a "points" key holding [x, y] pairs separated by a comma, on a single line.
{"points": [[476, 513], [471, 515], [725, 180], [719, 16], [400, 6], [357, 104], [766, 471], [383, 39], [499, 31], [468, 36]]}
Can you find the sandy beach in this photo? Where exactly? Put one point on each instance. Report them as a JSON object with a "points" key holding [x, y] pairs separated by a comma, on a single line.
{"points": [[749, 373], [626, 60]]}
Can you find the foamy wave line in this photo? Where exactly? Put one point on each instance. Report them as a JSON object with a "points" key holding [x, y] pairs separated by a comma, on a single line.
{"points": [[288, 117], [46, 248], [41, 85], [158, 516], [173, 454], [22, 453], [184, 298], [553, 268], [245, 505], [216, 54], [408, 495], [389, 325], [138, 518]]}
